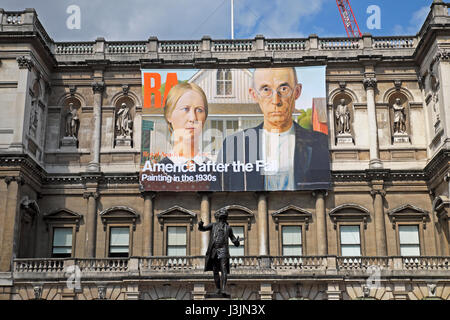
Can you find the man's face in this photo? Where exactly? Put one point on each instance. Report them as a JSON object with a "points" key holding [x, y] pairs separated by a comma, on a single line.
{"points": [[275, 90]]}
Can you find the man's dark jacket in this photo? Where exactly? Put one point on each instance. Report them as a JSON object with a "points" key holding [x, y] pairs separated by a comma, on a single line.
{"points": [[228, 232], [311, 160]]}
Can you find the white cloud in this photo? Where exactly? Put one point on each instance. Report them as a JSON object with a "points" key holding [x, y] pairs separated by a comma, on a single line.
{"points": [[419, 16]]}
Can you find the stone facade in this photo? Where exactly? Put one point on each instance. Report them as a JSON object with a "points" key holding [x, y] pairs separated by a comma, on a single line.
{"points": [[90, 184]]}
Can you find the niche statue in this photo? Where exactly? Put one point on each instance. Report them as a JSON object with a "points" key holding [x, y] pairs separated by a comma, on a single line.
{"points": [[217, 256], [124, 121], [399, 117], [72, 122], [343, 118]]}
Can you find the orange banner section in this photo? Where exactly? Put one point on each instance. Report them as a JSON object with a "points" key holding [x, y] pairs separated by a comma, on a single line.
{"points": [[150, 90]]}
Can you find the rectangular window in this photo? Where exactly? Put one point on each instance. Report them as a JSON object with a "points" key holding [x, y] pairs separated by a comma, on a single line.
{"points": [[291, 240], [237, 251], [119, 241], [62, 242], [409, 240], [350, 241], [176, 241]]}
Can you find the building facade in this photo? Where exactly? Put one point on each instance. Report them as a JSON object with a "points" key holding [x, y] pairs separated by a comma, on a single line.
{"points": [[74, 223]]}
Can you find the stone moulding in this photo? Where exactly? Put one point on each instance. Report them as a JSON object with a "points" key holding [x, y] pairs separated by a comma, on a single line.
{"points": [[408, 212], [292, 213], [119, 214], [63, 215], [176, 213], [237, 212], [349, 212]]}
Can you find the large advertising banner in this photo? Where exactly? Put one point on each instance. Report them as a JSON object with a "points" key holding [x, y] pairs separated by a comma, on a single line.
{"points": [[262, 129]]}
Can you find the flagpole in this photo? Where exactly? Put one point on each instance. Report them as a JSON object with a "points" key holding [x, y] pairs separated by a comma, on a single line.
{"points": [[232, 19]]}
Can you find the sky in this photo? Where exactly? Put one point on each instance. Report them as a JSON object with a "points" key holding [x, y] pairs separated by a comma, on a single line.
{"points": [[187, 20]]}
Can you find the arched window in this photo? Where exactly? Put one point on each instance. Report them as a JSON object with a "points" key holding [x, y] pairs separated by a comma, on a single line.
{"points": [[224, 82]]}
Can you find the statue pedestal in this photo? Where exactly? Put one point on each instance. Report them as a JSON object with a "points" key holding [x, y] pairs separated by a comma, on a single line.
{"points": [[401, 138], [69, 143], [217, 296], [344, 138], [123, 141]]}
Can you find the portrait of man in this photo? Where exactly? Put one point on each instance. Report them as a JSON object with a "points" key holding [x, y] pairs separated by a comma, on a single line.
{"points": [[294, 158]]}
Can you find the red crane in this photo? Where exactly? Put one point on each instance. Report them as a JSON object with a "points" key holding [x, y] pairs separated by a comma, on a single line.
{"points": [[351, 26]]}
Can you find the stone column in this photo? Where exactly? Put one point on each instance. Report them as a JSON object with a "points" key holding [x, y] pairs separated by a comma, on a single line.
{"points": [[10, 223], [322, 241], [380, 229], [370, 84], [263, 234], [3, 197], [147, 224], [205, 216], [98, 88], [22, 103], [91, 224]]}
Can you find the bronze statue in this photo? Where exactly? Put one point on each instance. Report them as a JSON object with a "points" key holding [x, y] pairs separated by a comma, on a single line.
{"points": [[217, 256]]}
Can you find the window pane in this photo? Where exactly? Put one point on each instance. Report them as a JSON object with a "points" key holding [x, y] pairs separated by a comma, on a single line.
{"points": [[118, 249], [228, 88], [237, 251], [219, 74], [227, 74], [410, 250], [350, 250], [176, 251], [292, 250], [350, 235], [119, 237], [62, 237], [409, 234], [62, 250], [176, 236], [292, 235], [220, 87]]}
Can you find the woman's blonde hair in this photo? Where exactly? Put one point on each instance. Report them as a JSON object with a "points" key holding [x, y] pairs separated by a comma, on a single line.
{"points": [[175, 94]]}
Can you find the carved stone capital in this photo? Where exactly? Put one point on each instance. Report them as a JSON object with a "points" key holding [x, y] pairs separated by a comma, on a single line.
{"points": [[25, 62], [87, 195], [370, 83], [380, 192], [98, 87], [324, 193], [19, 179]]}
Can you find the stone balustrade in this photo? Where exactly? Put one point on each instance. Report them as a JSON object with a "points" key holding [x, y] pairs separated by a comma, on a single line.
{"points": [[232, 45], [14, 18], [393, 42], [126, 47], [178, 46], [285, 44], [144, 266], [339, 44], [70, 48]]}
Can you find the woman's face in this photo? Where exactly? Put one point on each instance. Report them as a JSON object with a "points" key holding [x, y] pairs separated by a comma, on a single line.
{"points": [[189, 114]]}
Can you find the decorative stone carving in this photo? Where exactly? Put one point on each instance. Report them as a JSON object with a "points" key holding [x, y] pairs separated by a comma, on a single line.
{"points": [[25, 62], [125, 89], [370, 83], [37, 292], [98, 87]]}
